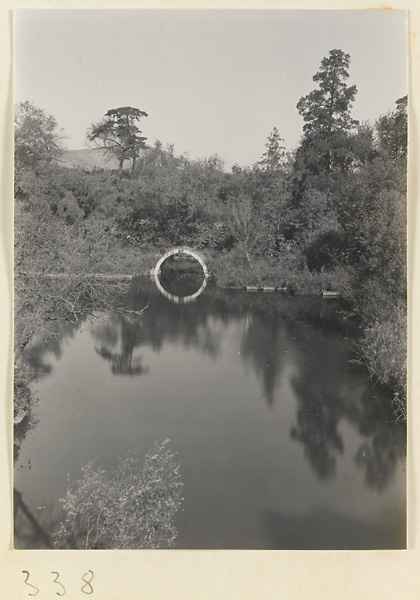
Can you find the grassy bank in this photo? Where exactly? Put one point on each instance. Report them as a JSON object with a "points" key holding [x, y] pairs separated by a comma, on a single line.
{"points": [[382, 347], [232, 270]]}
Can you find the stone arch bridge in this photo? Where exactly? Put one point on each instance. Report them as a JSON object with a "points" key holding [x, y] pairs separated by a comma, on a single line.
{"points": [[181, 250]]}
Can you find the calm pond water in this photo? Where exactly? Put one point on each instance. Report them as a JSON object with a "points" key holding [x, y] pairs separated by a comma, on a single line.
{"points": [[283, 442]]}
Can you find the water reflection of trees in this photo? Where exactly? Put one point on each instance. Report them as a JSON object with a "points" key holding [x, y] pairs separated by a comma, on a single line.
{"points": [[117, 339], [318, 385], [329, 390], [200, 326], [42, 348], [385, 445], [191, 326], [327, 395], [263, 346]]}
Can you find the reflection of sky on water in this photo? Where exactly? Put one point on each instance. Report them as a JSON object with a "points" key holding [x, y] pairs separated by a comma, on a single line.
{"points": [[283, 443]]}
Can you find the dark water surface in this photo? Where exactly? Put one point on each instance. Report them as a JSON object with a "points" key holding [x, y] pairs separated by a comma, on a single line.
{"points": [[283, 442]]}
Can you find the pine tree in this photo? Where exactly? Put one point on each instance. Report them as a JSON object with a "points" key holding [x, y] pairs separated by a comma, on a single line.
{"points": [[326, 112], [118, 133]]}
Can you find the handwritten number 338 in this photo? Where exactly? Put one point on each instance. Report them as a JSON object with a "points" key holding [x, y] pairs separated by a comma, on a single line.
{"points": [[86, 588]]}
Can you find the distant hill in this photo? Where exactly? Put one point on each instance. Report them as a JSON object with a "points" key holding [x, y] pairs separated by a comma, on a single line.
{"points": [[89, 159]]}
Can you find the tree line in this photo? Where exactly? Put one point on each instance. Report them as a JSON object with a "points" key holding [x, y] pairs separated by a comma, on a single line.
{"points": [[331, 213]]}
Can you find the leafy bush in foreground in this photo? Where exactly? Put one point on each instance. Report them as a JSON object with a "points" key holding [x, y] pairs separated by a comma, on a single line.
{"points": [[132, 507]]}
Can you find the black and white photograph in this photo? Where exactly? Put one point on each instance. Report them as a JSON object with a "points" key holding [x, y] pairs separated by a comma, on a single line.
{"points": [[210, 279]]}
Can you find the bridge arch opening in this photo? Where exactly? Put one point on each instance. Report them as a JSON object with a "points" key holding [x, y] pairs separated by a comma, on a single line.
{"points": [[182, 250], [156, 272]]}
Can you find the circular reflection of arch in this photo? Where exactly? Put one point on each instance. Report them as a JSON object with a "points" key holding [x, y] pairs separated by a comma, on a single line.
{"points": [[172, 297]]}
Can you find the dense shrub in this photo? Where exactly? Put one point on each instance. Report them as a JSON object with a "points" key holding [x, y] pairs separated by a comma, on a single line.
{"points": [[383, 348], [326, 251], [132, 507], [289, 271]]}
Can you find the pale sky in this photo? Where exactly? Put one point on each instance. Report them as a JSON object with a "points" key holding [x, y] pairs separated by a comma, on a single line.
{"points": [[212, 82]]}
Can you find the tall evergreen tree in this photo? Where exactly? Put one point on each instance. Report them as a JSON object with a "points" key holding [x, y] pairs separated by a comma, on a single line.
{"points": [[326, 110], [274, 156], [270, 177], [118, 133], [326, 145]]}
